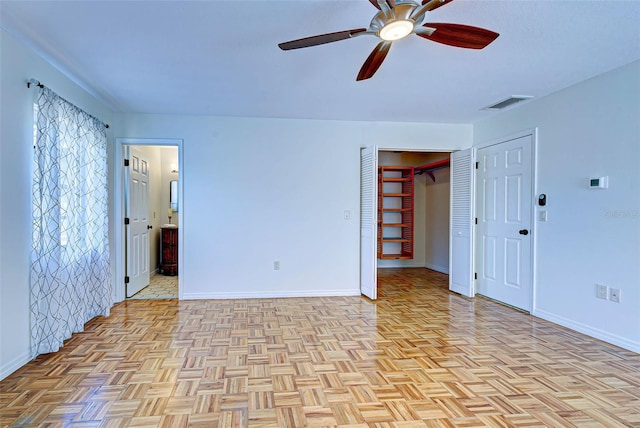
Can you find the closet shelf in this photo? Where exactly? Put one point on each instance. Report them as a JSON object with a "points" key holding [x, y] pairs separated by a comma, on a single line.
{"points": [[395, 179], [396, 257], [396, 195], [395, 212]]}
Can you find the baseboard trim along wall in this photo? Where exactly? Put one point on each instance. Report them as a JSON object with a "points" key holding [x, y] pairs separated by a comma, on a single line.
{"points": [[440, 269], [588, 330], [14, 365], [270, 294]]}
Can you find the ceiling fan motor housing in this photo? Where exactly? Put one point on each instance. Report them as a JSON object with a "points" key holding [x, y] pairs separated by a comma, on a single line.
{"points": [[401, 12]]}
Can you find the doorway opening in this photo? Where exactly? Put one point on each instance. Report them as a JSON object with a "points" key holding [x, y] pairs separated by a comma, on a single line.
{"points": [[411, 231], [429, 221], [149, 212]]}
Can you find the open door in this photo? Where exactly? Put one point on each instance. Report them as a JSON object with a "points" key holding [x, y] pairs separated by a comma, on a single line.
{"points": [[137, 211], [368, 221], [461, 221]]}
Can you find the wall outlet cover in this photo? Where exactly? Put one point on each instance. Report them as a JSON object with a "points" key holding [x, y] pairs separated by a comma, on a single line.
{"points": [[601, 291], [614, 295]]}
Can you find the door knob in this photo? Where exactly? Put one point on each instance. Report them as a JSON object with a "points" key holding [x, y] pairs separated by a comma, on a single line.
{"points": [[523, 232], [149, 226]]}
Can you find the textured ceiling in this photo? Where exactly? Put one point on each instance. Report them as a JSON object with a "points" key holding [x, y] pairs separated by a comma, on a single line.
{"points": [[221, 57]]}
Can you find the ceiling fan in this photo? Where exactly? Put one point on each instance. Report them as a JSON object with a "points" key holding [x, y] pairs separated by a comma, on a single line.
{"points": [[396, 20]]}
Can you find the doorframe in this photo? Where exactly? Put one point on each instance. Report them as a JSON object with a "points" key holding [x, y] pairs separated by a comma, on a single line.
{"points": [[533, 132], [399, 149], [119, 236]]}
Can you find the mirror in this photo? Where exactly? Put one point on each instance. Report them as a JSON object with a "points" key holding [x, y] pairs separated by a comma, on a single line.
{"points": [[173, 194]]}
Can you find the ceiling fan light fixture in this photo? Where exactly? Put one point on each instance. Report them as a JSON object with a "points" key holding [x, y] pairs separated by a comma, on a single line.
{"points": [[396, 30]]}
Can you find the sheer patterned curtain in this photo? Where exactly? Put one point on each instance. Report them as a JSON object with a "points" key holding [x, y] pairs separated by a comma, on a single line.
{"points": [[70, 273]]}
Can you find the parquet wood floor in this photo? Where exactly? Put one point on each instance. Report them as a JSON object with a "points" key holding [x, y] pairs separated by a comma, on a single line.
{"points": [[418, 357]]}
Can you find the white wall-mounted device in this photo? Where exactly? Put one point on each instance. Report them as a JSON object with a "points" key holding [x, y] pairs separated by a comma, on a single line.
{"points": [[599, 183]]}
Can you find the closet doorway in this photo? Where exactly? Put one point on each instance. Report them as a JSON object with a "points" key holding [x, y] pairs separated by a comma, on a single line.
{"points": [[430, 209]]}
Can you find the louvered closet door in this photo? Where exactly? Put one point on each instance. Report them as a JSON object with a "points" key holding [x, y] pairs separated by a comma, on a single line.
{"points": [[461, 214], [368, 221]]}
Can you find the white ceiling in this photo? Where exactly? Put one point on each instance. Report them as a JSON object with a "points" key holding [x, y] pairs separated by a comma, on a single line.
{"points": [[221, 57]]}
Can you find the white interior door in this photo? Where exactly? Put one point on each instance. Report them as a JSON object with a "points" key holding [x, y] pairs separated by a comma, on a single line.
{"points": [[368, 221], [503, 244], [138, 228], [461, 221]]}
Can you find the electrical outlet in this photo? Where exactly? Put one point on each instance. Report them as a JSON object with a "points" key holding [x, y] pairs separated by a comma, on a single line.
{"points": [[276, 265], [601, 291], [614, 295]]}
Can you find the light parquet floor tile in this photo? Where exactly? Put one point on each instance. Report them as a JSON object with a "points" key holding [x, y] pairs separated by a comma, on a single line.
{"points": [[418, 357], [160, 287]]}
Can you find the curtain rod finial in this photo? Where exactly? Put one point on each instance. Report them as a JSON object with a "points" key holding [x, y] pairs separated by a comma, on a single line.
{"points": [[34, 82]]}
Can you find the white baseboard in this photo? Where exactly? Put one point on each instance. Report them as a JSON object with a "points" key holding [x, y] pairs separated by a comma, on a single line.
{"points": [[589, 331], [440, 269], [269, 294], [399, 266], [437, 268], [14, 365]]}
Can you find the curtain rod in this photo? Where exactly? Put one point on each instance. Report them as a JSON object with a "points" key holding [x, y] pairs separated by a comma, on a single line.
{"points": [[37, 83]]}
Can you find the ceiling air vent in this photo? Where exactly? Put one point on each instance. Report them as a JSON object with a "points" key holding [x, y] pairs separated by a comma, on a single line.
{"points": [[514, 99]]}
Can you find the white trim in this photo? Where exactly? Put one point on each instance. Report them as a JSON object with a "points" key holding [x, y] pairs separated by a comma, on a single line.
{"points": [[588, 330], [270, 294], [118, 207], [13, 365], [441, 269]]}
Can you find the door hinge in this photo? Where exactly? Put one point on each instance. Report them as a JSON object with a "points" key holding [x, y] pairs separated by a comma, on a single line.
{"points": [[126, 220], [476, 220], [477, 165], [475, 275], [126, 162], [126, 279]]}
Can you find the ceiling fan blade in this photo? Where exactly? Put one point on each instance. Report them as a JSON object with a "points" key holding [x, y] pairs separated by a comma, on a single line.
{"points": [[436, 4], [374, 61], [320, 39], [462, 36], [428, 5], [375, 3], [389, 3]]}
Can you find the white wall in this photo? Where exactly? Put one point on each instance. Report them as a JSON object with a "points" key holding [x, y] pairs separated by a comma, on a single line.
{"points": [[263, 190], [169, 156], [437, 196], [17, 65], [592, 236]]}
